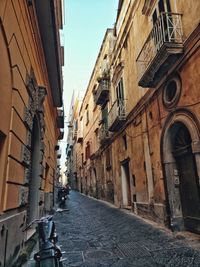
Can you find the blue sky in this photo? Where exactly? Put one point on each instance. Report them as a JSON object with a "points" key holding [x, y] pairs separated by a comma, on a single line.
{"points": [[86, 22]]}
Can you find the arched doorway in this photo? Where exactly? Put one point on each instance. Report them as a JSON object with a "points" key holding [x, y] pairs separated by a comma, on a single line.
{"points": [[33, 211], [180, 155]]}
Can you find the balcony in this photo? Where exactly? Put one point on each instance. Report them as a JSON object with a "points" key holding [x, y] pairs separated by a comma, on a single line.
{"points": [[162, 48], [102, 92], [60, 118], [79, 136], [117, 115], [61, 135], [74, 134], [104, 135]]}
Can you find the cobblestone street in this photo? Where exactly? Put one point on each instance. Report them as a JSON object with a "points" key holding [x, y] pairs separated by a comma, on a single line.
{"points": [[94, 234]]}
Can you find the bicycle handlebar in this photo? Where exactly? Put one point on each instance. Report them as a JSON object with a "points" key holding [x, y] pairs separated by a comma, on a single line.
{"points": [[42, 219]]}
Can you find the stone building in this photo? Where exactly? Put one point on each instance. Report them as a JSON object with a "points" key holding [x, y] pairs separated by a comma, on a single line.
{"points": [[149, 156], [89, 125], [31, 115], [71, 151]]}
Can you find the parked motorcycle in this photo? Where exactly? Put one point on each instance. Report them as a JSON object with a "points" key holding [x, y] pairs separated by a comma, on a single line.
{"points": [[49, 254], [62, 196]]}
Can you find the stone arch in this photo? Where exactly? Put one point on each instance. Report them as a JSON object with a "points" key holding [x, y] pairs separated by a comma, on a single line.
{"points": [[171, 168]]}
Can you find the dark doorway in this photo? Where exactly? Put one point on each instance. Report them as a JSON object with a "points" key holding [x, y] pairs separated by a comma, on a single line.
{"points": [[188, 184], [126, 189], [33, 211]]}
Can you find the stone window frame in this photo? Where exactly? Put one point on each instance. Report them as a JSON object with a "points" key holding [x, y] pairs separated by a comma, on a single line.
{"points": [[169, 104]]}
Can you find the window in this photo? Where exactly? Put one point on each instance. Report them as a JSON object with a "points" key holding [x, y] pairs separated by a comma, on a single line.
{"points": [[171, 92], [121, 110], [2, 138], [133, 176], [87, 117], [47, 181], [96, 138], [162, 8], [124, 141], [82, 158], [87, 151], [120, 90]]}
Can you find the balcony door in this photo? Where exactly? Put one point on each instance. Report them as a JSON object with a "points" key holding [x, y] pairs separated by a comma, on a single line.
{"points": [[160, 22], [120, 90], [162, 7], [120, 98]]}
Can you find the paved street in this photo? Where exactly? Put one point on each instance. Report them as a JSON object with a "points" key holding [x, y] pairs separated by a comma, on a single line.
{"points": [[94, 234]]}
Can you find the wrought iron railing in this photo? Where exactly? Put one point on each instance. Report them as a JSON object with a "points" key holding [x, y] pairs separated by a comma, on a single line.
{"points": [[117, 111], [167, 29], [103, 86], [103, 133]]}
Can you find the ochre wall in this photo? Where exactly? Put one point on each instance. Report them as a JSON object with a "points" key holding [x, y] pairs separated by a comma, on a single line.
{"points": [[21, 53]]}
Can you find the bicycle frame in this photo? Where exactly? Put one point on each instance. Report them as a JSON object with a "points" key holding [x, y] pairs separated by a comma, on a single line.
{"points": [[49, 254]]}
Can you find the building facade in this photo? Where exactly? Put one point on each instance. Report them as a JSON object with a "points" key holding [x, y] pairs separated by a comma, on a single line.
{"points": [[31, 116], [73, 134], [148, 158]]}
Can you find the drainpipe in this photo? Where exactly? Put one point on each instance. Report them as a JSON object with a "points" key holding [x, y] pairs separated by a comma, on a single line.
{"points": [[148, 160]]}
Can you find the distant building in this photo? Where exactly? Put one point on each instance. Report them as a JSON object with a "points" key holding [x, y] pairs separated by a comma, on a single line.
{"points": [[140, 118], [71, 153], [31, 116]]}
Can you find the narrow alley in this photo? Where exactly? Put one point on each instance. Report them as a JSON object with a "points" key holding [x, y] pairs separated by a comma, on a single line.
{"points": [[94, 234]]}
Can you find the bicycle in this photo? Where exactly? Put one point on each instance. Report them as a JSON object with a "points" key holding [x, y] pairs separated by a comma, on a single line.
{"points": [[49, 254]]}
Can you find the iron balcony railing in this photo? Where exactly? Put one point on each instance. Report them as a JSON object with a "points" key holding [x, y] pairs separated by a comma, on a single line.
{"points": [[80, 135], [166, 30], [103, 133], [101, 95], [117, 114]]}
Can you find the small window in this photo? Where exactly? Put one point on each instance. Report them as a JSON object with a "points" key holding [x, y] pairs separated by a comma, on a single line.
{"points": [[87, 117], [87, 151], [124, 141], [133, 176], [82, 158], [171, 93], [2, 138]]}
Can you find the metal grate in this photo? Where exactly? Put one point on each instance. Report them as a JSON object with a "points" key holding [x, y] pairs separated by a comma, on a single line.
{"points": [[131, 249]]}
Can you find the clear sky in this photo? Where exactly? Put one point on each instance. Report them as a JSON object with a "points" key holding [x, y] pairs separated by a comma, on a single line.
{"points": [[85, 24]]}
